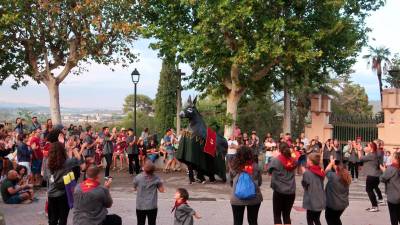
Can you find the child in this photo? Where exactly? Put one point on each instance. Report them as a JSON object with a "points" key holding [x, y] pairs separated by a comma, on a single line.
{"points": [[391, 178], [183, 212], [146, 184], [387, 160], [313, 184]]}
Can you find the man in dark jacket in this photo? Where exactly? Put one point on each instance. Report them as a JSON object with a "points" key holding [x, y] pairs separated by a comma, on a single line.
{"points": [[91, 201]]}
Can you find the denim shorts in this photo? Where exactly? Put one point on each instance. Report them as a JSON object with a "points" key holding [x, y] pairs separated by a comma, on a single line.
{"points": [[15, 199]]}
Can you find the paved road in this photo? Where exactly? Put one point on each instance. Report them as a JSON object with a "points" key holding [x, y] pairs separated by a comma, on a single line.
{"points": [[210, 200]]}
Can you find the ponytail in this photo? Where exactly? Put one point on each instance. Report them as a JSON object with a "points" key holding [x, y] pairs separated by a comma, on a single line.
{"points": [[344, 175]]}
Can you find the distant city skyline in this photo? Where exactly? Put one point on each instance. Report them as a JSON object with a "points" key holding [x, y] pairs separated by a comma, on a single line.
{"points": [[99, 87]]}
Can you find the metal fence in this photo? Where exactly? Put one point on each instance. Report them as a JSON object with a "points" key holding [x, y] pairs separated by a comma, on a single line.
{"points": [[348, 127]]}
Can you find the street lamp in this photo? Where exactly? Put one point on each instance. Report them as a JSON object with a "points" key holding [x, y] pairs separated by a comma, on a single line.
{"points": [[135, 79], [178, 101]]}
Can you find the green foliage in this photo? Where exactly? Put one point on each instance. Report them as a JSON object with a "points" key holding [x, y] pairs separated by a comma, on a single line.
{"points": [[143, 103], [233, 46], [39, 37], [393, 73], [143, 121], [351, 100], [165, 102], [260, 113]]}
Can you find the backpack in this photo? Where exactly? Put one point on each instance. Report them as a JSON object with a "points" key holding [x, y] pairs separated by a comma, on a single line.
{"points": [[245, 187]]}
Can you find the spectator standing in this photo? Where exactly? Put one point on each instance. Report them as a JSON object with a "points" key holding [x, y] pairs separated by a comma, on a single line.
{"points": [[133, 154], [183, 212], [337, 192], [19, 127], [371, 169], [37, 157], [91, 201], [244, 163], [353, 161], [237, 132], [233, 145], [327, 152], [313, 184], [59, 163], [391, 178], [35, 124], [24, 154], [282, 168], [304, 139], [147, 184]]}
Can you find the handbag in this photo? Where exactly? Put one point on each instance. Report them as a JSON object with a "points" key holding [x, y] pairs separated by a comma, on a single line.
{"points": [[245, 187]]}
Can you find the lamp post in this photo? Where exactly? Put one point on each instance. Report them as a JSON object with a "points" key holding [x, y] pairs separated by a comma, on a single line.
{"points": [[178, 101], [135, 79]]}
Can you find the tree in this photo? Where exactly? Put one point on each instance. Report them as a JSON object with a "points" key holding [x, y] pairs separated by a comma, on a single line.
{"points": [[47, 40], [376, 56], [143, 121], [143, 103], [351, 99], [165, 102], [235, 46], [393, 73]]}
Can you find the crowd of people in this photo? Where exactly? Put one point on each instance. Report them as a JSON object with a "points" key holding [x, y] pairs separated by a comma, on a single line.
{"points": [[44, 155]]}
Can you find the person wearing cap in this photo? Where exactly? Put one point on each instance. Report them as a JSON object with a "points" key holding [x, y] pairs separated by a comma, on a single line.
{"points": [[35, 124]]}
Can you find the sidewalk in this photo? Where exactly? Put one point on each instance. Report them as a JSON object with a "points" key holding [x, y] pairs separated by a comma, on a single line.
{"points": [[213, 213]]}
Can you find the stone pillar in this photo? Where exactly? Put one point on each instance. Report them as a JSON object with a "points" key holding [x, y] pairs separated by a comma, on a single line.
{"points": [[320, 111], [389, 130]]}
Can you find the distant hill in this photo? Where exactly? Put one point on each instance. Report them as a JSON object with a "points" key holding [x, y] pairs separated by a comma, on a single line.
{"points": [[376, 106]]}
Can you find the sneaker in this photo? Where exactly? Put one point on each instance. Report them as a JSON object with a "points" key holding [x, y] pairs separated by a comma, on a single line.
{"points": [[355, 180], [373, 209], [381, 202]]}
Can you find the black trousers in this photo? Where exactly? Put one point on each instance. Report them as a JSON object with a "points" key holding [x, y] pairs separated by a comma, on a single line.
{"points": [[150, 214], [333, 216], [133, 158], [252, 214], [108, 158], [326, 162], [313, 217], [372, 184], [394, 211], [58, 210], [353, 167], [112, 220], [282, 206]]}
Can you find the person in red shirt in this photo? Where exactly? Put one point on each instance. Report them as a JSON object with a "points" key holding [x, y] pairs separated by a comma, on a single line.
{"points": [[37, 158], [119, 153]]}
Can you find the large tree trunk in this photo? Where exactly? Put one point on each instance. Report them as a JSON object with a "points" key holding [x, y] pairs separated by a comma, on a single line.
{"points": [[286, 125], [54, 94], [232, 101]]}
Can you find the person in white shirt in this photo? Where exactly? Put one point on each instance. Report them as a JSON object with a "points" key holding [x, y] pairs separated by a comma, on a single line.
{"points": [[304, 140], [233, 145]]}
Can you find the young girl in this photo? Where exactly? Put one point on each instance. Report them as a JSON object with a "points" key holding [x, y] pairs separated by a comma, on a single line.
{"points": [[371, 169], [244, 162], [313, 184], [142, 151], [183, 212], [337, 192], [118, 153], [283, 183], [391, 178], [146, 184]]}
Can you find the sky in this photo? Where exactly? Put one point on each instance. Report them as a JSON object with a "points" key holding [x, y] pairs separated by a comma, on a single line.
{"points": [[100, 87]]}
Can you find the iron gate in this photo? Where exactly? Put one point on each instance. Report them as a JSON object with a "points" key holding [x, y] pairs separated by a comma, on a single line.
{"points": [[348, 127]]}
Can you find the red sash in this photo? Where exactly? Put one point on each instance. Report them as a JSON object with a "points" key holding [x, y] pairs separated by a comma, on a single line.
{"points": [[211, 142]]}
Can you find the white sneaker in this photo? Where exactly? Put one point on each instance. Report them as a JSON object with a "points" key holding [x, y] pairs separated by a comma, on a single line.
{"points": [[373, 209]]}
